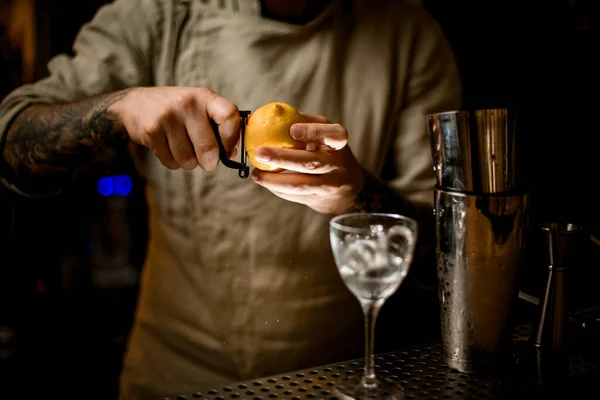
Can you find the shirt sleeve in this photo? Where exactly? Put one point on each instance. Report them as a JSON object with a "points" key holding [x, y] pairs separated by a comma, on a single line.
{"points": [[111, 52], [433, 86]]}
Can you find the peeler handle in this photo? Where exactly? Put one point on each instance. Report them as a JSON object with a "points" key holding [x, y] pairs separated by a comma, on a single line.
{"points": [[242, 166]]}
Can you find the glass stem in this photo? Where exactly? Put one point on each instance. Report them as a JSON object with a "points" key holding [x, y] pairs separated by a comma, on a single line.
{"points": [[370, 311]]}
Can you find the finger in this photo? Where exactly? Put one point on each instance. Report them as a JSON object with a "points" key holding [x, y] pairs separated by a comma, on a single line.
{"points": [[297, 183], [317, 147], [297, 198], [332, 135], [191, 110], [227, 116], [203, 140], [180, 144], [312, 147], [160, 148], [315, 118], [309, 162]]}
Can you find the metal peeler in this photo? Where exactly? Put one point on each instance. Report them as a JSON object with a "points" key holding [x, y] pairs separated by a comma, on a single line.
{"points": [[242, 166]]}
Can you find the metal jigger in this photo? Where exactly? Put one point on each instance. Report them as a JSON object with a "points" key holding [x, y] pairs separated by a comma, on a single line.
{"points": [[481, 220], [550, 332]]}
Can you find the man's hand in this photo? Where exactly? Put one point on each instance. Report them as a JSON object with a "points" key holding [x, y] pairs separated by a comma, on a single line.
{"points": [[324, 175], [174, 122]]}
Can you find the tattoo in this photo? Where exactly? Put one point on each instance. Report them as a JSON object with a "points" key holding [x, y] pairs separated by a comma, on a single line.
{"points": [[47, 145], [377, 197]]}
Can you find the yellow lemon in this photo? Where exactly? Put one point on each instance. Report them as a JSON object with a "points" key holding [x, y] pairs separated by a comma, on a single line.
{"points": [[270, 126]]}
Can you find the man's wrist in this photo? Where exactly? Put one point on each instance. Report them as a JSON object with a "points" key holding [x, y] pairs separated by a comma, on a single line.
{"points": [[370, 197]]}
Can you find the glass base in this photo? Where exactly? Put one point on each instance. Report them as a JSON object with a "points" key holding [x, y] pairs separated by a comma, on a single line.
{"points": [[352, 387]]}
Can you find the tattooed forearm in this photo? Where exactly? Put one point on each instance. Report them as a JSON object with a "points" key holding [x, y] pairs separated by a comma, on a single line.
{"points": [[377, 197], [46, 145]]}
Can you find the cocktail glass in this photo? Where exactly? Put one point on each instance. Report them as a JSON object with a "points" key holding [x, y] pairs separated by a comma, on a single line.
{"points": [[373, 253]]}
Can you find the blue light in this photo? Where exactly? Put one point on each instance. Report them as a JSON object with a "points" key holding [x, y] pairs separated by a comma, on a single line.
{"points": [[105, 186], [119, 185], [122, 185]]}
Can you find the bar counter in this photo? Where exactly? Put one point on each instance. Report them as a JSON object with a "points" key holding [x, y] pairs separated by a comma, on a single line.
{"points": [[422, 373]]}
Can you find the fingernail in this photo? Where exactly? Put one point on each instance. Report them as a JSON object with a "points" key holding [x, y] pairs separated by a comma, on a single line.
{"points": [[297, 131], [262, 155], [234, 152], [255, 174]]}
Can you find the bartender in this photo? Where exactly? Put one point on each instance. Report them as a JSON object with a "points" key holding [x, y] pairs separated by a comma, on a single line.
{"points": [[239, 279]]}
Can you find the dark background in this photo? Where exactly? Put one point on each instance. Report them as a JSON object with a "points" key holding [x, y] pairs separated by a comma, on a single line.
{"points": [[62, 333]]}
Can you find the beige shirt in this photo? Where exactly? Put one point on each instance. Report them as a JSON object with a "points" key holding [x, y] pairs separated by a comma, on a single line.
{"points": [[239, 283]]}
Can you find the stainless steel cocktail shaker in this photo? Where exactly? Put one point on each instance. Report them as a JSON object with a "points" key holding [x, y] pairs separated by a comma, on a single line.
{"points": [[481, 219]]}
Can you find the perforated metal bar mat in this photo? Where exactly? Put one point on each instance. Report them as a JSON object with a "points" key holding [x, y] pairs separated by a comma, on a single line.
{"points": [[420, 371]]}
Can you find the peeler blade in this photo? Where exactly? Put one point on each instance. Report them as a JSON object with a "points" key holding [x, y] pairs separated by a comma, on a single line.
{"points": [[242, 166]]}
